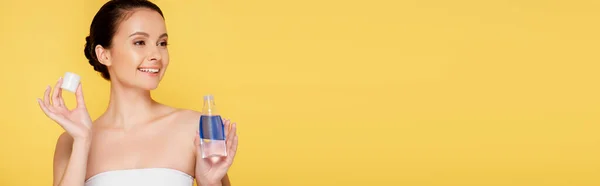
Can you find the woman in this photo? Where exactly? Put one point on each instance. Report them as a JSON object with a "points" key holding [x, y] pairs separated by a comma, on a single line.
{"points": [[136, 141]]}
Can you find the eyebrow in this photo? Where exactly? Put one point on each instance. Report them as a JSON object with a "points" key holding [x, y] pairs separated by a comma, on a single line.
{"points": [[148, 35]]}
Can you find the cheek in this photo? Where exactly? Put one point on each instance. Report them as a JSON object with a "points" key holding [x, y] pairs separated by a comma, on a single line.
{"points": [[165, 58], [127, 60], [131, 57]]}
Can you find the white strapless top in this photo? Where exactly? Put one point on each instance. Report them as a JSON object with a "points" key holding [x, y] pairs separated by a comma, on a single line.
{"points": [[144, 176]]}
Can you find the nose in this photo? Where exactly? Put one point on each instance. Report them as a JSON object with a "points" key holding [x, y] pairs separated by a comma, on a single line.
{"points": [[155, 55]]}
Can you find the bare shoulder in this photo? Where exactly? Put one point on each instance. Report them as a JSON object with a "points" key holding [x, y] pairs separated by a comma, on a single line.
{"points": [[187, 116], [179, 117], [188, 119]]}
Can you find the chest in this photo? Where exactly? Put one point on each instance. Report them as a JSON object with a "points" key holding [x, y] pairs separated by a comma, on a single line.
{"points": [[144, 147]]}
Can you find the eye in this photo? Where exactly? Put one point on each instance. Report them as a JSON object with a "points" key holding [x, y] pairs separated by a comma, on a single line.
{"points": [[139, 43], [164, 43]]}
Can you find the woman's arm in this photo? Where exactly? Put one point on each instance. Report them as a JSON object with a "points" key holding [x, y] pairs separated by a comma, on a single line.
{"points": [[70, 161], [72, 147]]}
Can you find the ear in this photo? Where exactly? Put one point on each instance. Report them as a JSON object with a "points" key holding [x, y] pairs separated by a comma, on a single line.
{"points": [[103, 55]]}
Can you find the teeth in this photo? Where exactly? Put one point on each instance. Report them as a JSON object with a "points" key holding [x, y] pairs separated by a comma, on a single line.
{"points": [[151, 70]]}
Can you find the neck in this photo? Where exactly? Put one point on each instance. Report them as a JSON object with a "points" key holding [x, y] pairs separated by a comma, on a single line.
{"points": [[128, 106]]}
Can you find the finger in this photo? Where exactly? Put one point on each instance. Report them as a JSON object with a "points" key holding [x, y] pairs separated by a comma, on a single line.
{"points": [[43, 107], [227, 127], [231, 135], [47, 97], [223, 120], [60, 98], [232, 150], [226, 123], [50, 113], [55, 93], [46, 100], [79, 95]]}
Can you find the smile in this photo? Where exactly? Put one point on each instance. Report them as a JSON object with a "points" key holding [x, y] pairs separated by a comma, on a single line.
{"points": [[149, 70]]}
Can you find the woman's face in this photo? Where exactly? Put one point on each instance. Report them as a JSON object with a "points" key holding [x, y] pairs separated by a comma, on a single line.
{"points": [[138, 56]]}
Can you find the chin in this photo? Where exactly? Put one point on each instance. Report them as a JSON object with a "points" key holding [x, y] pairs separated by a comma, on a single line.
{"points": [[148, 85], [151, 87]]}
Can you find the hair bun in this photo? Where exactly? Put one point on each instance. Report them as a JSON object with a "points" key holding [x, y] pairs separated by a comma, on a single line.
{"points": [[89, 52]]}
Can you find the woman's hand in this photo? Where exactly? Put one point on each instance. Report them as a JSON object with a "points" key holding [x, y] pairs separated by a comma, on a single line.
{"points": [[210, 172], [76, 122]]}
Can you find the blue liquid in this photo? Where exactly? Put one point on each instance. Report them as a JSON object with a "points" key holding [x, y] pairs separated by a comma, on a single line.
{"points": [[211, 127]]}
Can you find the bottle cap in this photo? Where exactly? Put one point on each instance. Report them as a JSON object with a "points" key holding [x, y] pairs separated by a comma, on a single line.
{"points": [[208, 97], [70, 82]]}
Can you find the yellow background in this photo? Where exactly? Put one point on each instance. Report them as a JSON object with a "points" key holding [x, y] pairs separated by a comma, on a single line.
{"points": [[382, 92]]}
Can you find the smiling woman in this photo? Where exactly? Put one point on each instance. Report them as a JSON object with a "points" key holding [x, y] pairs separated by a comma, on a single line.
{"points": [[137, 140], [139, 43]]}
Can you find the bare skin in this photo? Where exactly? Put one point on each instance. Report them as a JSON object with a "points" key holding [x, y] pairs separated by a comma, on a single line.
{"points": [[135, 131]]}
